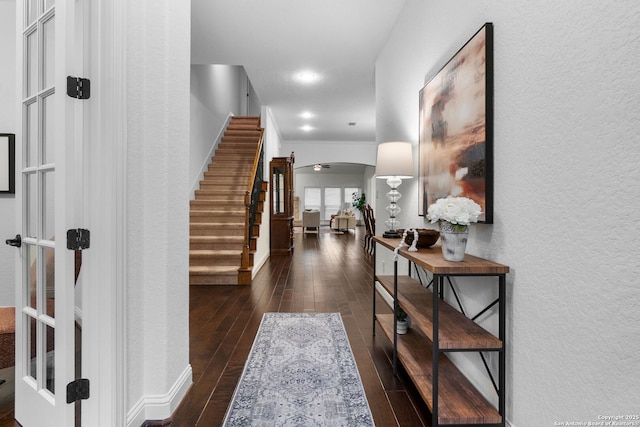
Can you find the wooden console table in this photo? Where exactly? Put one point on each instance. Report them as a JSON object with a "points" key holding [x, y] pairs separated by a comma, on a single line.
{"points": [[438, 328]]}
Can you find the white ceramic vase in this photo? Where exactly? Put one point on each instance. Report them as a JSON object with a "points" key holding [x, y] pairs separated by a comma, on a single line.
{"points": [[454, 240]]}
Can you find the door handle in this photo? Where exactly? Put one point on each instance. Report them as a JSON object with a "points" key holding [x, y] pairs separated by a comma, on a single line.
{"points": [[17, 241]]}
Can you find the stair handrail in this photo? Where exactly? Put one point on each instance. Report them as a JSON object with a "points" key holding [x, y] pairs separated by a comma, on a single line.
{"points": [[251, 200], [256, 191]]}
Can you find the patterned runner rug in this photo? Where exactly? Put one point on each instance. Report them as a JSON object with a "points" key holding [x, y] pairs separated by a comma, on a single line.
{"points": [[300, 372]]}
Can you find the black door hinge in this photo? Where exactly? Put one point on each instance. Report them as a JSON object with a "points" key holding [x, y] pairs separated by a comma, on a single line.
{"points": [[78, 390], [78, 239], [78, 87]]}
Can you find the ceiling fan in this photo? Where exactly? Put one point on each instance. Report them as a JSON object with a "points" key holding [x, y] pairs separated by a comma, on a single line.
{"points": [[318, 167]]}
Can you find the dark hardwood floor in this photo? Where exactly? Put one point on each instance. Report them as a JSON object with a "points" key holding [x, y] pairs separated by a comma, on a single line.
{"points": [[326, 273]]}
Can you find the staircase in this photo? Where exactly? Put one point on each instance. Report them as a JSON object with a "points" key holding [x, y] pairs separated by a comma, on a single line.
{"points": [[221, 245]]}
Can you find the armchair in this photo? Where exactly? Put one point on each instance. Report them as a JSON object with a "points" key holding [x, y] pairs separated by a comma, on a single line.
{"points": [[311, 219]]}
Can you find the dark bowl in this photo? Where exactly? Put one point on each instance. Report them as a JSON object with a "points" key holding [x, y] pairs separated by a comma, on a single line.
{"points": [[426, 237]]}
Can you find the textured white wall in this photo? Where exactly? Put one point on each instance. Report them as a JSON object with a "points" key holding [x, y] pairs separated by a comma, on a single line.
{"points": [[567, 121], [158, 68], [215, 93], [8, 108]]}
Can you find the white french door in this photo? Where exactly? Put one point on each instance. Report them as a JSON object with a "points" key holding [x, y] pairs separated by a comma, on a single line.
{"points": [[49, 178]]}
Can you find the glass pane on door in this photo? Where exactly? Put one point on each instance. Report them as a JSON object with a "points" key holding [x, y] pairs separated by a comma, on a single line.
{"points": [[32, 11], [50, 359], [48, 205], [31, 136], [48, 132], [31, 79], [48, 52], [31, 275], [31, 205], [30, 347], [49, 282]]}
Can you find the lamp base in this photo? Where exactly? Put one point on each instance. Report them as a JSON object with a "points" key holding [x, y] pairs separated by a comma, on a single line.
{"points": [[391, 234]]}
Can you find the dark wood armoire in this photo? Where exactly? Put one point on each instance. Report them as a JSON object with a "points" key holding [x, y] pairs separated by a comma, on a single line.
{"points": [[281, 190]]}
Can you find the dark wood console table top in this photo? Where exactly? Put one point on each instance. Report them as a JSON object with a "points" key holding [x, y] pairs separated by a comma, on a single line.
{"points": [[432, 260]]}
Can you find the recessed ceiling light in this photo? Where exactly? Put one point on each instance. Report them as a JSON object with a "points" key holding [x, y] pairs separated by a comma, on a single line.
{"points": [[307, 128], [351, 124], [306, 77], [306, 115]]}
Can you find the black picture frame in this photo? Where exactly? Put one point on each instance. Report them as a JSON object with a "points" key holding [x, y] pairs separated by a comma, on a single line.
{"points": [[7, 163], [456, 128]]}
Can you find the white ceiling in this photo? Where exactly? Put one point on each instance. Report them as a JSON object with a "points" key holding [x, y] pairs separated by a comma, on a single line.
{"points": [[275, 40]]}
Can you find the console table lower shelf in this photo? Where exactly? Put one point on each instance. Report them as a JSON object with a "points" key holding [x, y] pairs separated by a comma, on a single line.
{"points": [[459, 402]]}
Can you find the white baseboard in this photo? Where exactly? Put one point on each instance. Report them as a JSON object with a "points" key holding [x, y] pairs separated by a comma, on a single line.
{"points": [[160, 407], [258, 265]]}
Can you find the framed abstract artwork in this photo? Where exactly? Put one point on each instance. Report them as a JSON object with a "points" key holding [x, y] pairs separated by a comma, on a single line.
{"points": [[7, 163], [456, 128]]}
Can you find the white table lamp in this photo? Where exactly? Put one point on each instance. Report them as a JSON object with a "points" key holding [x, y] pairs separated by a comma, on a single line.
{"points": [[395, 163]]}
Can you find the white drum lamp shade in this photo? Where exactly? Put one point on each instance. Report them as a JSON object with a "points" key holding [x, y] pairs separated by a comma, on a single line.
{"points": [[394, 163]]}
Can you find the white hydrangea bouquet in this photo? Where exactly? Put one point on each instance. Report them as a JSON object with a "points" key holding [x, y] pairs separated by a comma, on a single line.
{"points": [[458, 211]]}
